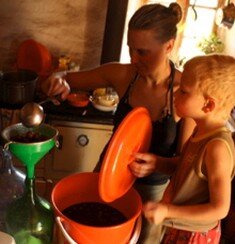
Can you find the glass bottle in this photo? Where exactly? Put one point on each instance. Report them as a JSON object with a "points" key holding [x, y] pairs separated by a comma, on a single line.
{"points": [[11, 184], [30, 218]]}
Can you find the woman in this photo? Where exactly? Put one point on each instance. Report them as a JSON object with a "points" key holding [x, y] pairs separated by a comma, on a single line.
{"points": [[149, 80]]}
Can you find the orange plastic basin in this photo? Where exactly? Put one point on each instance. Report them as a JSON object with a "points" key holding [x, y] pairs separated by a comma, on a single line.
{"points": [[83, 187]]}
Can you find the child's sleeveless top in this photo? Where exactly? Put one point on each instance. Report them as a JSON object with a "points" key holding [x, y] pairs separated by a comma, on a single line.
{"points": [[189, 184], [165, 131]]}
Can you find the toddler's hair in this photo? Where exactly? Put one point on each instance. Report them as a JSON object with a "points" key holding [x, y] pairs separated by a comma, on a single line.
{"points": [[215, 77]]}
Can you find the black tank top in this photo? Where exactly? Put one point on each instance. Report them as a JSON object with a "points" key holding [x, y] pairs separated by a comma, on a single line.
{"points": [[165, 130]]}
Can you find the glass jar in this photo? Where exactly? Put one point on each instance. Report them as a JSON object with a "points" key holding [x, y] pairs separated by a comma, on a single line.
{"points": [[11, 184], [30, 218]]}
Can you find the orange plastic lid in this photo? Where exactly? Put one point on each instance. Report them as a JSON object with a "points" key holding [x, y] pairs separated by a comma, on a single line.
{"points": [[34, 56], [133, 135]]}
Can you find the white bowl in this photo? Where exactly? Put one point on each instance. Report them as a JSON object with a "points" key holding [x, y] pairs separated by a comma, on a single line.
{"points": [[102, 107], [106, 100]]}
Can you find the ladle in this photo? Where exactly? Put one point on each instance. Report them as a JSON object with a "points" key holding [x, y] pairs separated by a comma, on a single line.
{"points": [[32, 114]]}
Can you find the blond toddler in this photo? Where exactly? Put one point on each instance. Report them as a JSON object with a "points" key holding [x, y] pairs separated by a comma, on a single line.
{"points": [[198, 195]]}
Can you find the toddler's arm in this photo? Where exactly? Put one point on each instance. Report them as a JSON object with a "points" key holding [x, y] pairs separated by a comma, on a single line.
{"points": [[219, 166]]}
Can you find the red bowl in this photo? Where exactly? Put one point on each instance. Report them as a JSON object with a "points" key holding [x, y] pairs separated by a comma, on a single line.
{"points": [[78, 99]]}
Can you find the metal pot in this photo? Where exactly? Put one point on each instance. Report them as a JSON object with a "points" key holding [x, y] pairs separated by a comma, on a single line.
{"points": [[18, 87]]}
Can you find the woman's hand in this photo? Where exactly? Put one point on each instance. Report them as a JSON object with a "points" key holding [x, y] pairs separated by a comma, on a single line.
{"points": [[56, 85], [143, 165], [155, 212]]}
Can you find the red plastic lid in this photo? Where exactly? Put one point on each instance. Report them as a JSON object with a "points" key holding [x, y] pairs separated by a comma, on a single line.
{"points": [[34, 56], [133, 135]]}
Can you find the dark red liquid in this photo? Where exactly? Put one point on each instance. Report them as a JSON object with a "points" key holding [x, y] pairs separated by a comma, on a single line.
{"points": [[29, 137], [94, 214]]}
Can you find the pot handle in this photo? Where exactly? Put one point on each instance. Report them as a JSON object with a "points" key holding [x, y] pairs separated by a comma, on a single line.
{"points": [[58, 143], [59, 221], [136, 231]]}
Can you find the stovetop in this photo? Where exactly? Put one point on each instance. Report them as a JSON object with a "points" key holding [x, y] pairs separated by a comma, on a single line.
{"points": [[88, 114]]}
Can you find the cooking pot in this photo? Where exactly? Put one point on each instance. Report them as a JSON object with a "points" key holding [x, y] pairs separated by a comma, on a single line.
{"points": [[83, 187], [18, 87]]}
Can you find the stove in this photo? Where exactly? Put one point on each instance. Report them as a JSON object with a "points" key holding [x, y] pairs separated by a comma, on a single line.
{"points": [[87, 114]]}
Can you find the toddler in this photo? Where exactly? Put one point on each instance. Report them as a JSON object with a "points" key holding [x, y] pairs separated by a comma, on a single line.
{"points": [[198, 195]]}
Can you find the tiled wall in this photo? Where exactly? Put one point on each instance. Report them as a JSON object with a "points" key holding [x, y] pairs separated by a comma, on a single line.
{"points": [[70, 27]]}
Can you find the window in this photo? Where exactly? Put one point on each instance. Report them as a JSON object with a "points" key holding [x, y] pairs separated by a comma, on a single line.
{"points": [[199, 24]]}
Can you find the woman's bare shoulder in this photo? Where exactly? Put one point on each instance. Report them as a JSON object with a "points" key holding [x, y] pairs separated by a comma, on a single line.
{"points": [[118, 68], [119, 75]]}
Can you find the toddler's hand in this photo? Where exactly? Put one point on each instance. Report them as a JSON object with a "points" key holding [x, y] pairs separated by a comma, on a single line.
{"points": [[155, 212], [143, 165]]}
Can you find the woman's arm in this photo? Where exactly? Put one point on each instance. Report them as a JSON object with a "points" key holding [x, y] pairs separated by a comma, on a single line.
{"points": [[147, 163], [113, 74], [219, 167]]}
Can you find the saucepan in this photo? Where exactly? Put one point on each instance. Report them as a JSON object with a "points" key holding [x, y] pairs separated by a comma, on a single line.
{"points": [[18, 87]]}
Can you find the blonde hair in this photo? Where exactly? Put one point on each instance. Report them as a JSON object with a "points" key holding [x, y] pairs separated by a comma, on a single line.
{"points": [[215, 77], [158, 18]]}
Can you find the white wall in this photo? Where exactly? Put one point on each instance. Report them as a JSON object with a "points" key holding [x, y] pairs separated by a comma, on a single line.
{"points": [[70, 27], [229, 40]]}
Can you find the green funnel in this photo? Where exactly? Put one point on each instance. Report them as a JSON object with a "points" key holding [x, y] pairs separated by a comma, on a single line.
{"points": [[30, 153]]}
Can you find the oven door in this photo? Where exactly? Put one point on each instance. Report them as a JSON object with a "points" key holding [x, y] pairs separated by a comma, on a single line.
{"points": [[80, 145]]}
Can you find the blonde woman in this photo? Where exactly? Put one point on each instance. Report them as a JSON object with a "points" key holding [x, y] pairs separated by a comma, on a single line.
{"points": [[149, 81]]}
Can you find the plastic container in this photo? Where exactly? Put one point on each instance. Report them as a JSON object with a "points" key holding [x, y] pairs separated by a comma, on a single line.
{"points": [[83, 187]]}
